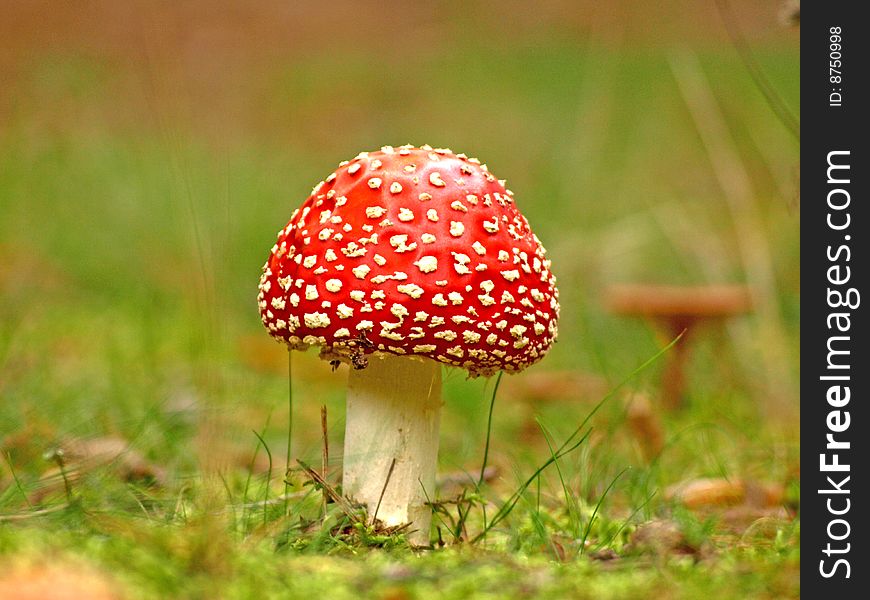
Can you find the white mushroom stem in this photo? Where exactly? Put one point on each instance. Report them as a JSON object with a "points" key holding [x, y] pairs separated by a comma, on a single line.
{"points": [[393, 412]]}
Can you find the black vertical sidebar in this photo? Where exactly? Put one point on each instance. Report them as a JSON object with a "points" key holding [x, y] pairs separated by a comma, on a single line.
{"points": [[835, 342]]}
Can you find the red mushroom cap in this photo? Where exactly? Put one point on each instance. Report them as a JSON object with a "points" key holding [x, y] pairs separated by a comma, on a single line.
{"points": [[412, 251]]}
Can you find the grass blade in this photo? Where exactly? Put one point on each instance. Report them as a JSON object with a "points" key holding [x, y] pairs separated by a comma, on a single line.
{"points": [[268, 475], [289, 426], [489, 428], [598, 506]]}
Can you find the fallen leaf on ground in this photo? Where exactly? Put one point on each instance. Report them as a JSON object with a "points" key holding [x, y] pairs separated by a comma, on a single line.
{"points": [[718, 491], [707, 492], [75, 457], [85, 454], [764, 494], [660, 537]]}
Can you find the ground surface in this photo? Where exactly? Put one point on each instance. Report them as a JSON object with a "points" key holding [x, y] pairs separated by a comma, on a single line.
{"points": [[150, 152]]}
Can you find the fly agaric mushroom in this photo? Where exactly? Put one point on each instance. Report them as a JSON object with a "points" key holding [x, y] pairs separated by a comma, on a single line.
{"points": [[401, 259], [675, 310]]}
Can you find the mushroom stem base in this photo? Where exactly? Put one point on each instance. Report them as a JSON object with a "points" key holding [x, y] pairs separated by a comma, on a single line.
{"points": [[393, 412]]}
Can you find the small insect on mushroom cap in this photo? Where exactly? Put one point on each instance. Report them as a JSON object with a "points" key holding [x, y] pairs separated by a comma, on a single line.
{"points": [[412, 251]]}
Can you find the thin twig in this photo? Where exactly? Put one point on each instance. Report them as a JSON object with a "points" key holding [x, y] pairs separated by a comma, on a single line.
{"points": [[342, 503], [384, 489]]}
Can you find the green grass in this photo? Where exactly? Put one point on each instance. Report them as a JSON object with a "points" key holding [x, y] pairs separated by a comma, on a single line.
{"points": [[129, 255]]}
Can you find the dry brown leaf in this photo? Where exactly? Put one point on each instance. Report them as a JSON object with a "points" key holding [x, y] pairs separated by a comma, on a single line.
{"points": [[79, 456], [698, 493], [764, 495], [86, 454], [712, 492], [660, 537]]}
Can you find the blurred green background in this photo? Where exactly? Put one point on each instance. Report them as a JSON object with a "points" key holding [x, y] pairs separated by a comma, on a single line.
{"points": [[150, 151]]}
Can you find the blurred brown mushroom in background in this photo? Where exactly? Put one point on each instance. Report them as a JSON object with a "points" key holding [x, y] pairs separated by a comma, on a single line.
{"points": [[675, 310]]}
